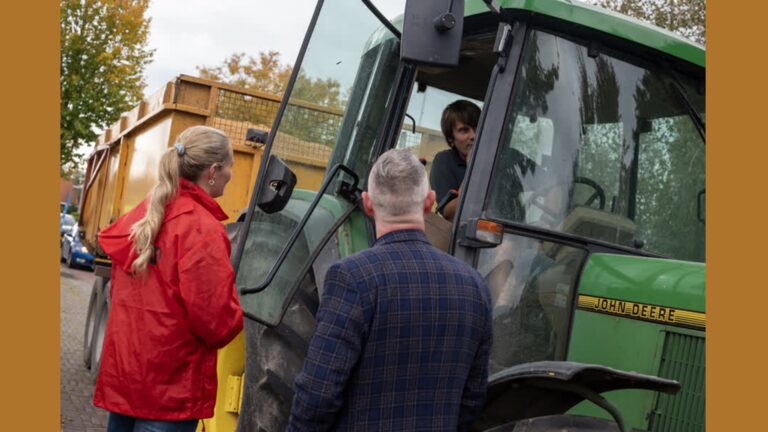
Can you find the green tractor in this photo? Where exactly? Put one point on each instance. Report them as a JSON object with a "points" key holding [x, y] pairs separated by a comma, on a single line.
{"points": [[582, 205]]}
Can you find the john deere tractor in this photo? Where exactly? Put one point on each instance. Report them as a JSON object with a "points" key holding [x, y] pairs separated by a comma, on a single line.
{"points": [[583, 204]]}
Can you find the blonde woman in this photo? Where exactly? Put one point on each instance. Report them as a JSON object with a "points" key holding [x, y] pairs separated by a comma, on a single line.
{"points": [[173, 299]]}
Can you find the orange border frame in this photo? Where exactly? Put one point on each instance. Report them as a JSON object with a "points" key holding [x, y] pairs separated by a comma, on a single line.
{"points": [[30, 314], [736, 235]]}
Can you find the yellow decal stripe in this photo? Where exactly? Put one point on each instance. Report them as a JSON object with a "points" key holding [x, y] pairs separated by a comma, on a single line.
{"points": [[643, 311]]}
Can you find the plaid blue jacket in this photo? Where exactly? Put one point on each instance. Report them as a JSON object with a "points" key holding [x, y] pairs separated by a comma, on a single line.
{"points": [[402, 342]]}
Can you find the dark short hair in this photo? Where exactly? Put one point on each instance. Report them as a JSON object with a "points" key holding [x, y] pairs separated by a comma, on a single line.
{"points": [[460, 110]]}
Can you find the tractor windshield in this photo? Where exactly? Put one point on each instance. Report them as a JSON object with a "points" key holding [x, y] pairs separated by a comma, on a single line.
{"points": [[603, 148]]}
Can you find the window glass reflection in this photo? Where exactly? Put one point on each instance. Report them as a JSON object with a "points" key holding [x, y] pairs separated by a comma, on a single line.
{"points": [[601, 148], [532, 284]]}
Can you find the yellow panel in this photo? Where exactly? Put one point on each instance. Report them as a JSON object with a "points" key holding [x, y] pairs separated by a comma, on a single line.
{"points": [[193, 94], [90, 214], [230, 363], [106, 216], [234, 385], [142, 161], [181, 122], [238, 190], [308, 177]]}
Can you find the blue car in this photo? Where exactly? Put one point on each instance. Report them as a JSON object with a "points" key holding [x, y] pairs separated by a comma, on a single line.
{"points": [[73, 252], [66, 222]]}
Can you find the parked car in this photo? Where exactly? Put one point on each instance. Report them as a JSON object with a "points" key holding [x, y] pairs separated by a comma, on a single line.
{"points": [[73, 252], [66, 222]]}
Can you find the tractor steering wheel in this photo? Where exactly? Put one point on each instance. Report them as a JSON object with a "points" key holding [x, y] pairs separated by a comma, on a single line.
{"points": [[599, 193]]}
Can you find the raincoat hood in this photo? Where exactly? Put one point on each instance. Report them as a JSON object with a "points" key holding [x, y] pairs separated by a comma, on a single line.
{"points": [[116, 238]]}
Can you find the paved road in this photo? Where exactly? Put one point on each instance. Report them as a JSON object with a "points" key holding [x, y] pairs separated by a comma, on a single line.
{"points": [[77, 413]]}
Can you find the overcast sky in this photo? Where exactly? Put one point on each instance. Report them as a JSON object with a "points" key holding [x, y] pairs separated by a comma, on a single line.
{"points": [[189, 33]]}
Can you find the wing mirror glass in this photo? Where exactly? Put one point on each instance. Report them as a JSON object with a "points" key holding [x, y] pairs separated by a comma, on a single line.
{"points": [[277, 187]]}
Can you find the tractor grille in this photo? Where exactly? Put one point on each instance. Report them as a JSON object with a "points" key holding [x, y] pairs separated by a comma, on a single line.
{"points": [[682, 360]]}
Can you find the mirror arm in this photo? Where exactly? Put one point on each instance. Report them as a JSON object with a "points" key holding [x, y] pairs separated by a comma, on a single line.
{"points": [[413, 121], [379, 16]]}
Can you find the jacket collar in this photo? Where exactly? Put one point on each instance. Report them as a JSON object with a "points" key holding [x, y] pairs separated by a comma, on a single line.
{"points": [[407, 235], [195, 194]]}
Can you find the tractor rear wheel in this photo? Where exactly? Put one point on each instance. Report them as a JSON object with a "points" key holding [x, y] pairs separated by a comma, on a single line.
{"points": [[274, 358], [90, 321], [99, 330]]}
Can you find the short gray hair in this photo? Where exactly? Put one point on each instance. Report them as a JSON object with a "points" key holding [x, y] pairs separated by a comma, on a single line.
{"points": [[397, 184]]}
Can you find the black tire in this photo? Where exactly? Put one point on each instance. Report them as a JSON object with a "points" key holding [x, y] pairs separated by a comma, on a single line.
{"points": [[90, 321], [559, 423], [70, 261], [274, 358], [100, 327]]}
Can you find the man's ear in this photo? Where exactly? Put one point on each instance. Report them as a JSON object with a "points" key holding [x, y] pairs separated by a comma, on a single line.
{"points": [[429, 201], [367, 204]]}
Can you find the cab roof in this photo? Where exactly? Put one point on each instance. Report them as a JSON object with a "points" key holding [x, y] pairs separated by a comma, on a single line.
{"points": [[605, 21]]}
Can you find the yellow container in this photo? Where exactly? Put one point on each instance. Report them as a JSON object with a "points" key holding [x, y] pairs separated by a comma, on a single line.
{"points": [[123, 165]]}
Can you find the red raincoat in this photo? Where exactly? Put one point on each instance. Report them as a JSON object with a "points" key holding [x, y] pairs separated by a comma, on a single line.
{"points": [[159, 357]]}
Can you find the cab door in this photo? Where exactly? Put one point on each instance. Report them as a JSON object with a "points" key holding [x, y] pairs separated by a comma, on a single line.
{"points": [[590, 151], [324, 133]]}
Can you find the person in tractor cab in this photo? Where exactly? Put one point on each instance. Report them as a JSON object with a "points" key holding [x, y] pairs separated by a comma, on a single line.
{"points": [[458, 124], [403, 331], [173, 300]]}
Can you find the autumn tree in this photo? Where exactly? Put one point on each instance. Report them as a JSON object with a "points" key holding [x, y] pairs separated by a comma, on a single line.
{"points": [[104, 51], [267, 73], [684, 17], [264, 72]]}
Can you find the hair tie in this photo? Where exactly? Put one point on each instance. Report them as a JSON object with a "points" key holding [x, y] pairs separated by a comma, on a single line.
{"points": [[180, 149]]}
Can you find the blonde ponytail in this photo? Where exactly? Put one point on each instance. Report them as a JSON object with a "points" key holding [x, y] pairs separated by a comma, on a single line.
{"points": [[196, 149]]}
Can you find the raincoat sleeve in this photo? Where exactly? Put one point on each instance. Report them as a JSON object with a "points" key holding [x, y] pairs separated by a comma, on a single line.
{"points": [[207, 286]]}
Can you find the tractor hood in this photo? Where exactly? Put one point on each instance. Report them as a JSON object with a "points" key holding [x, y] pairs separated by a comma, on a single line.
{"points": [[551, 387]]}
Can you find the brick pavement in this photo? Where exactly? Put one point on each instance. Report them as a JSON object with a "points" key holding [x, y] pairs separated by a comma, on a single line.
{"points": [[77, 412]]}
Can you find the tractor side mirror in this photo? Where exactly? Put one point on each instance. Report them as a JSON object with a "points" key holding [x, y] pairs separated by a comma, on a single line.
{"points": [[432, 31], [277, 186], [256, 136]]}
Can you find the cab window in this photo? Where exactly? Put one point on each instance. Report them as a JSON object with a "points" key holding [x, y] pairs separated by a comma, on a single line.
{"points": [[619, 160]]}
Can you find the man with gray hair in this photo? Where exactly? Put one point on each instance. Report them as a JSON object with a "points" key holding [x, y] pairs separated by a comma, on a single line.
{"points": [[403, 330]]}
